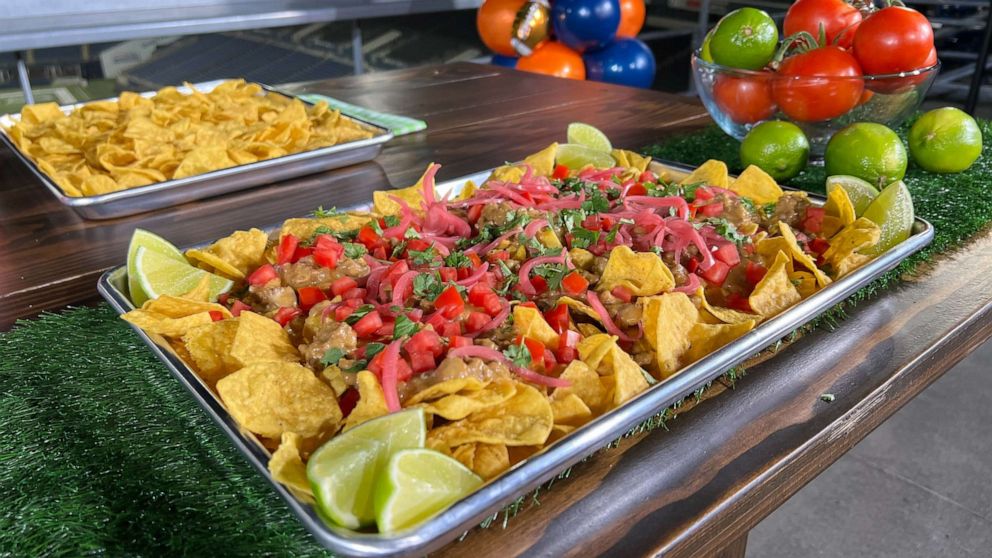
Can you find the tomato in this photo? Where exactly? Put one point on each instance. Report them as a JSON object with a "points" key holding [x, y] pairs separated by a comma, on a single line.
{"points": [[540, 284], [819, 245], [238, 307], [368, 324], [356, 293], [637, 189], [287, 249], [893, 39], [342, 311], [574, 283], [557, 318], [804, 97], [450, 303], [424, 340], [560, 172], [728, 254], [451, 329], [368, 237], [738, 302], [448, 274], [745, 100], [475, 321], [342, 285], [460, 341], [568, 342], [327, 251], [710, 210], [216, 315], [536, 350], [839, 19], [899, 84], [403, 370], [716, 274], [286, 314], [348, 401], [262, 275], [474, 213], [309, 297], [754, 273], [421, 362], [813, 221]]}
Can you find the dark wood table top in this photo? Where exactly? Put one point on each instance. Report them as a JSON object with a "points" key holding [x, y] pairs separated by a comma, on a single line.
{"points": [[694, 490]]}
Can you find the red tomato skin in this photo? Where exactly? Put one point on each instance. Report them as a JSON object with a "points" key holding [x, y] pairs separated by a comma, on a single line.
{"points": [[838, 18], [745, 100], [803, 95], [893, 39]]}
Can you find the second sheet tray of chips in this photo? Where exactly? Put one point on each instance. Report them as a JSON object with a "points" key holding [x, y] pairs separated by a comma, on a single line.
{"points": [[45, 146]]}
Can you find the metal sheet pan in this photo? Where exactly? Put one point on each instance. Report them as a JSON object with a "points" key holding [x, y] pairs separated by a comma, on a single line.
{"points": [[541, 467], [223, 181]]}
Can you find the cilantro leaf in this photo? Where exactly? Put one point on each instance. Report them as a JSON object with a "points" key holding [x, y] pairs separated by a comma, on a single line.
{"points": [[359, 313], [398, 249], [584, 238], [519, 355], [596, 203], [427, 286], [748, 204], [552, 274], [612, 235], [457, 259], [423, 257], [727, 230], [391, 220], [373, 349], [411, 233], [332, 356], [404, 326], [374, 223], [354, 251], [358, 366]]}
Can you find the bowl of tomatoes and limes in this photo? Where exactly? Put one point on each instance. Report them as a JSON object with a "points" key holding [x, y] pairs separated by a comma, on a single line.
{"points": [[837, 65]]}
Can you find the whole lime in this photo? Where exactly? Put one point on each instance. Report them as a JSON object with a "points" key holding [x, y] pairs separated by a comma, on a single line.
{"points": [[868, 151], [778, 148], [704, 52], [945, 140], [745, 38]]}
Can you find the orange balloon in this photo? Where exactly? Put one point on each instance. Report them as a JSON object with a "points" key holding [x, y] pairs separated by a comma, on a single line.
{"points": [[631, 18], [554, 59], [495, 23]]}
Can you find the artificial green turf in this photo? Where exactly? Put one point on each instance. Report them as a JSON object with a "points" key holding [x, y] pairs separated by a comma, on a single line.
{"points": [[104, 452]]}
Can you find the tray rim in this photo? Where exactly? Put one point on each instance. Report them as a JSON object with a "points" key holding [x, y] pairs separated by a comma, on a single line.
{"points": [[527, 475], [382, 136]]}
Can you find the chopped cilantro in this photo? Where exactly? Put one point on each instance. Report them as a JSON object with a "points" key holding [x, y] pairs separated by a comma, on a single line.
{"points": [[519, 355], [373, 349], [612, 235], [321, 213], [332, 356], [359, 313], [411, 233], [353, 251], [358, 366], [596, 203], [423, 257], [403, 327], [374, 223], [391, 220], [584, 238], [747, 203], [427, 286], [457, 259], [398, 249], [727, 230], [769, 208], [552, 273]]}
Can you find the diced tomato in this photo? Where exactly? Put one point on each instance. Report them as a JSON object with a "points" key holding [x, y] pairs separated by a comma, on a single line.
{"points": [[422, 362], [754, 273], [238, 307], [692, 265], [417, 244], [424, 341], [380, 253], [302, 252], [476, 260], [606, 222], [738, 302], [716, 274], [356, 293], [711, 209], [568, 341], [536, 350], [342, 311], [623, 293], [216, 315], [222, 298], [813, 222], [367, 236], [287, 249], [262, 275], [403, 370], [352, 303], [549, 361], [448, 274], [574, 283], [565, 355], [728, 254], [529, 304], [560, 172], [368, 324], [539, 283], [309, 297], [342, 285], [704, 194], [819, 245], [395, 270], [286, 314], [637, 190], [648, 176], [474, 213], [348, 401], [437, 321], [475, 321], [415, 314], [386, 329], [557, 318], [451, 329], [327, 251], [492, 304], [459, 341], [463, 272], [497, 255], [450, 302], [478, 292]]}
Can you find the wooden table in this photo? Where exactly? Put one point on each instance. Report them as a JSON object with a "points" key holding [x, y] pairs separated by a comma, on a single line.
{"points": [[693, 491]]}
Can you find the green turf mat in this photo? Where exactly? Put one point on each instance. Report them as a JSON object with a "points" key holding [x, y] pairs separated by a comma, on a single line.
{"points": [[104, 452]]}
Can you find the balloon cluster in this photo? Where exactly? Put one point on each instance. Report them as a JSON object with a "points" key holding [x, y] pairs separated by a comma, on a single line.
{"points": [[576, 39]]}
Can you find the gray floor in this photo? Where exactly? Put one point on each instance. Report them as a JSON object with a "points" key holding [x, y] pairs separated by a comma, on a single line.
{"points": [[920, 486]]}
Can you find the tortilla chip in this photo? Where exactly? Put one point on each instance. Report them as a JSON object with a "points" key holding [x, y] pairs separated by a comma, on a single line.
{"points": [[523, 420], [631, 160], [642, 273], [467, 191], [460, 405], [724, 315], [305, 228], [530, 323], [843, 255], [805, 283], [179, 307], [775, 292], [160, 324], [543, 162], [756, 185], [384, 204], [201, 292], [580, 307], [506, 173], [570, 410], [711, 173], [667, 320], [602, 354], [588, 330], [486, 460], [706, 338], [272, 398], [800, 257], [209, 348], [233, 256], [371, 401], [839, 205], [260, 339], [286, 466]]}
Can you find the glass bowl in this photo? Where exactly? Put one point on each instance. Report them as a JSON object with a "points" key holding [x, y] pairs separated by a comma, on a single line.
{"points": [[739, 99]]}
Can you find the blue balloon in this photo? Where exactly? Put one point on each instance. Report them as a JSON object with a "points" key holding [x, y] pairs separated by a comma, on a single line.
{"points": [[501, 60], [585, 24], [624, 62]]}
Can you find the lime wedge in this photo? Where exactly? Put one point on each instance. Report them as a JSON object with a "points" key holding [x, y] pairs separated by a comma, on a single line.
{"points": [[575, 156], [343, 471], [860, 191], [155, 243], [893, 212], [417, 484], [584, 134], [158, 274]]}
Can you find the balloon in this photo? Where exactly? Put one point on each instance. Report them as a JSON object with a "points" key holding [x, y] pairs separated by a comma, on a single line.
{"points": [[554, 59], [631, 18], [624, 62], [585, 24], [507, 61], [531, 27], [495, 23]]}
